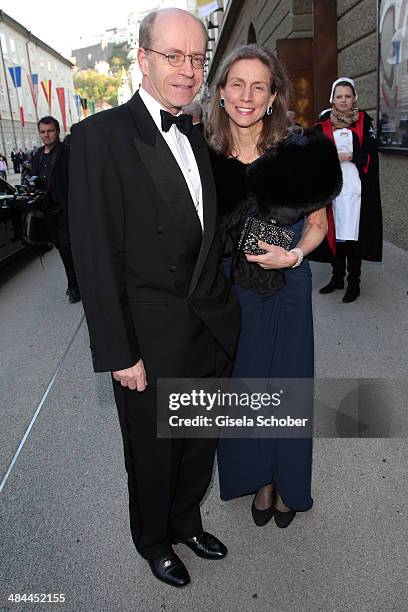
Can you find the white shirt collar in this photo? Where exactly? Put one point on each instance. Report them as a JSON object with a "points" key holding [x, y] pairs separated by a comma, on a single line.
{"points": [[153, 106]]}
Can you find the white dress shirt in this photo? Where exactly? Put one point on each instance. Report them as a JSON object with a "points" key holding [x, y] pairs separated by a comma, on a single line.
{"points": [[180, 147]]}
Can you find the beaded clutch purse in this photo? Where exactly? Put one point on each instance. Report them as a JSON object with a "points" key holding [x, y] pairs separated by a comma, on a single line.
{"points": [[255, 229]]}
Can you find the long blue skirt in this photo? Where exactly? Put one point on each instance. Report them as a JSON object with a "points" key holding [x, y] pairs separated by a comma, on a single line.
{"points": [[276, 341]]}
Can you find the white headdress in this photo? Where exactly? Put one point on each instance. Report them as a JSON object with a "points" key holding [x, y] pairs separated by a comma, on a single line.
{"points": [[341, 80]]}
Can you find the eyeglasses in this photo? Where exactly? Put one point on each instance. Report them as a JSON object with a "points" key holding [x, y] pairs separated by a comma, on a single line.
{"points": [[177, 59]]}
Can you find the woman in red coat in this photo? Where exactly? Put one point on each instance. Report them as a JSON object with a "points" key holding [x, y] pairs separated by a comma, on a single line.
{"points": [[356, 221]]}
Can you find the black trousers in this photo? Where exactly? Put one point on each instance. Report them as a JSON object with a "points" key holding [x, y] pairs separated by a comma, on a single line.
{"points": [[57, 226], [347, 252], [167, 478]]}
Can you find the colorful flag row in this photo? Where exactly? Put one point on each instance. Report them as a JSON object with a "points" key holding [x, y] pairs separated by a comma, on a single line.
{"points": [[83, 105], [46, 84]]}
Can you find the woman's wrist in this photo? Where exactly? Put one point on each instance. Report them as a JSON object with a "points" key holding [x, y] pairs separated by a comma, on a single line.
{"points": [[297, 256], [291, 259]]}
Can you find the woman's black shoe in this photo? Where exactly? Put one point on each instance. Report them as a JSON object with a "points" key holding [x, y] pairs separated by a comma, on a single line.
{"points": [[261, 517], [283, 519], [334, 283], [352, 293]]}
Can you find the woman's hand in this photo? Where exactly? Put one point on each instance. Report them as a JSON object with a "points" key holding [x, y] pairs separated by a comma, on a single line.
{"points": [[345, 156], [275, 258]]}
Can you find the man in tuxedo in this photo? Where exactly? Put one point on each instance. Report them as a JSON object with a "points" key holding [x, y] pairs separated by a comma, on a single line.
{"points": [[143, 223]]}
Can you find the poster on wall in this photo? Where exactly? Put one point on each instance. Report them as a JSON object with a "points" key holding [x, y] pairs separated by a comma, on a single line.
{"points": [[393, 76]]}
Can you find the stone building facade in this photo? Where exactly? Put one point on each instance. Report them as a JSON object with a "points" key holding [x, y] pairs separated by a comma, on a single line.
{"points": [[320, 40], [20, 48]]}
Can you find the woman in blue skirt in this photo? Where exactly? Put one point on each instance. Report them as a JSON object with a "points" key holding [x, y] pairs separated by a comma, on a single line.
{"points": [[265, 170]]}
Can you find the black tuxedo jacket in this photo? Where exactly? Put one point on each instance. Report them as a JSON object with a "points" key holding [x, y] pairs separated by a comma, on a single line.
{"points": [[150, 280]]}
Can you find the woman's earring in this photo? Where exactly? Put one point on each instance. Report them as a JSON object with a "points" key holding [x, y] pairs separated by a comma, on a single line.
{"points": [[269, 110], [222, 102]]}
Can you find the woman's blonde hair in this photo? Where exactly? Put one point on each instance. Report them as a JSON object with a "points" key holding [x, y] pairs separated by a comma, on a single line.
{"points": [[275, 126]]}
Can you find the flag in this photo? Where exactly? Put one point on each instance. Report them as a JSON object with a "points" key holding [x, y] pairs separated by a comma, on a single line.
{"points": [[61, 99], [33, 85], [46, 85], [15, 73], [84, 104], [77, 99], [70, 109], [205, 7]]}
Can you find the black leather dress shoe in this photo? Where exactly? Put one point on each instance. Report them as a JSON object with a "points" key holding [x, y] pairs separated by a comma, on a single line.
{"points": [[333, 284], [283, 519], [261, 517], [170, 569], [205, 546]]}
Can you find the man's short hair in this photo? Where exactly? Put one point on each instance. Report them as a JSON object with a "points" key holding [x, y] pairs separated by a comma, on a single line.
{"points": [[47, 120], [147, 23], [145, 29]]}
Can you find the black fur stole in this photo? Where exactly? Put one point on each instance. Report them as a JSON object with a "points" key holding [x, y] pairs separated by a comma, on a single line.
{"points": [[296, 178]]}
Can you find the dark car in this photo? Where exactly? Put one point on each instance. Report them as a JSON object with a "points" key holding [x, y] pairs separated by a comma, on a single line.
{"points": [[13, 206]]}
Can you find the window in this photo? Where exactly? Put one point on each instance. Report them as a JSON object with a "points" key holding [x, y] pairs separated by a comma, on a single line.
{"points": [[2, 98], [13, 50], [31, 54], [393, 77], [3, 45], [21, 54], [9, 144], [13, 100]]}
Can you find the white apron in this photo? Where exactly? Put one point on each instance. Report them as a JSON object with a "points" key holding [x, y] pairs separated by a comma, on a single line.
{"points": [[346, 207]]}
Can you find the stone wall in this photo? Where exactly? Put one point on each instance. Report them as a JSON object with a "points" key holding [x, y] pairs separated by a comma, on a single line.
{"points": [[272, 19], [357, 58], [357, 46]]}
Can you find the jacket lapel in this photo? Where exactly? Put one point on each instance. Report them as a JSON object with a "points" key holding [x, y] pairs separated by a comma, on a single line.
{"points": [[200, 150], [165, 173]]}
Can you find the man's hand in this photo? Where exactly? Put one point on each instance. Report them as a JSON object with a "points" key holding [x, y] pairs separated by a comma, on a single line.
{"points": [[134, 378]]}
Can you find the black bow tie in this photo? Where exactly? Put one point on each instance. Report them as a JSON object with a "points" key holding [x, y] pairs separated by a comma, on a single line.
{"points": [[183, 122]]}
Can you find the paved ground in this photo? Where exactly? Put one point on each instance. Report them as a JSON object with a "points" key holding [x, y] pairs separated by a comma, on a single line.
{"points": [[64, 526], [13, 178]]}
